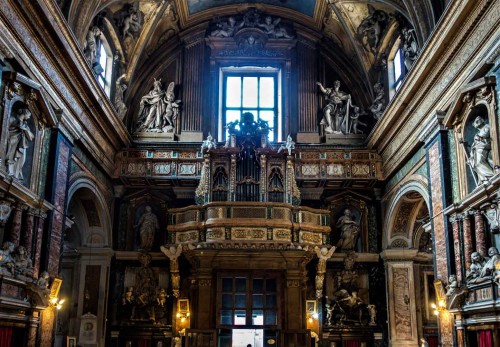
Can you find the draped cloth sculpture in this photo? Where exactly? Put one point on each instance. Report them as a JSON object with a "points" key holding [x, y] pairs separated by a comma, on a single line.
{"points": [[20, 136]]}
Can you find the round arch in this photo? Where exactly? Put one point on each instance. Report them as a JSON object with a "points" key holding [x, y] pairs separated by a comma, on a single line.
{"points": [[414, 184]]}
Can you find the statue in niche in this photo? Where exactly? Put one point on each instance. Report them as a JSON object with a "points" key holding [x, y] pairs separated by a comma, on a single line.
{"points": [[158, 109], [349, 231], [372, 310], [19, 137], [355, 122], [148, 225], [208, 144], [370, 29], [479, 158], [378, 106], [476, 267], [120, 87], [336, 112], [7, 264], [23, 265], [90, 48], [288, 145], [132, 22], [273, 29], [410, 48], [227, 29]]}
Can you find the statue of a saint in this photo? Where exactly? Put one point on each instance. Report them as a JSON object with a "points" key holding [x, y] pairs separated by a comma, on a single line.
{"points": [[120, 87], [349, 231], [377, 108], [90, 49], [410, 48], [158, 109], [148, 225], [336, 112], [479, 159], [19, 137]]}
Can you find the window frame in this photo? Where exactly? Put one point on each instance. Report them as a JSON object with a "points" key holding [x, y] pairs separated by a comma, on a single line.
{"points": [[251, 71], [105, 78], [396, 84]]}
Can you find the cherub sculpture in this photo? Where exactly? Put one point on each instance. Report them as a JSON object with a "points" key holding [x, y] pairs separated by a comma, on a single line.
{"points": [[288, 145], [208, 144], [271, 28]]}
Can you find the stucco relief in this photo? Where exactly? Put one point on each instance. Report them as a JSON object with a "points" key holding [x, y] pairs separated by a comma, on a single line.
{"points": [[402, 314]]}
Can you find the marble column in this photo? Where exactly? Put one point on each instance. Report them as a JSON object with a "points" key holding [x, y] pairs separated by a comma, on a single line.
{"points": [[467, 239], [37, 251], [15, 230], [480, 234], [455, 221], [29, 224]]}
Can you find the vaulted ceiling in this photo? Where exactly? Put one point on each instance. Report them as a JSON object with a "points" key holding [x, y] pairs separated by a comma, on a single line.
{"points": [[338, 25]]}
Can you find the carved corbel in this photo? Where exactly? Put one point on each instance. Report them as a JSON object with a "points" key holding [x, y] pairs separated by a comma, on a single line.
{"points": [[173, 253]]}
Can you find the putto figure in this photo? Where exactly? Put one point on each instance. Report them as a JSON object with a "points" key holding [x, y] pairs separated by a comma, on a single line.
{"points": [[273, 29], [158, 110], [336, 112], [227, 29], [20, 136], [288, 145], [208, 144]]}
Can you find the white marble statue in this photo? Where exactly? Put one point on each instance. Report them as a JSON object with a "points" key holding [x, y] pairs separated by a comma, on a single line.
{"points": [[336, 112], [158, 110], [480, 157], [377, 108], [227, 29], [132, 22], [19, 140], [349, 231], [208, 144], [90, 47], [288, 145], [273, 29]]}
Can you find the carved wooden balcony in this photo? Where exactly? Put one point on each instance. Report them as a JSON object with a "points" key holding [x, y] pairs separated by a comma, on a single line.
{"points": [[248, 224]]}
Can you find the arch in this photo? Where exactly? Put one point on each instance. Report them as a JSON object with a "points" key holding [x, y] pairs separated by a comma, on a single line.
{"points": [[91, 206], [405, 202]]}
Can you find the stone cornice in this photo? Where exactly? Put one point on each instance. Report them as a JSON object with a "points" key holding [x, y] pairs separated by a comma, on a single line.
{"points": [[463, 34]]}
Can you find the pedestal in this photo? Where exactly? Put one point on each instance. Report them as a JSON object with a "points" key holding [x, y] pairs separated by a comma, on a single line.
{"points": [[345, 140]]}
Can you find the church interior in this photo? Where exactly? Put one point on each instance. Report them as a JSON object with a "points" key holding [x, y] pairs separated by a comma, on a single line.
{"points": [[229, 173]]}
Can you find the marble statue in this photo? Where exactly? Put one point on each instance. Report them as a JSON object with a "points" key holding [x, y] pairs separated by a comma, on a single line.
{"points": [[370, 29], [158, 109], [288, 145], [336, 112], [323, 254], [227, 29], [476, 267], [132, 22], [490, 267], [377, 108], [410, 48], [90, 48], [120, 87], [208, 144], [43, 280], [148, 225], [372, 311], [7, 264], [423, 343], [20, 136], [479, 159], [23, 266], [347, 278], [452, 286], [349, 231], [273, 29], [355, 122]]}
